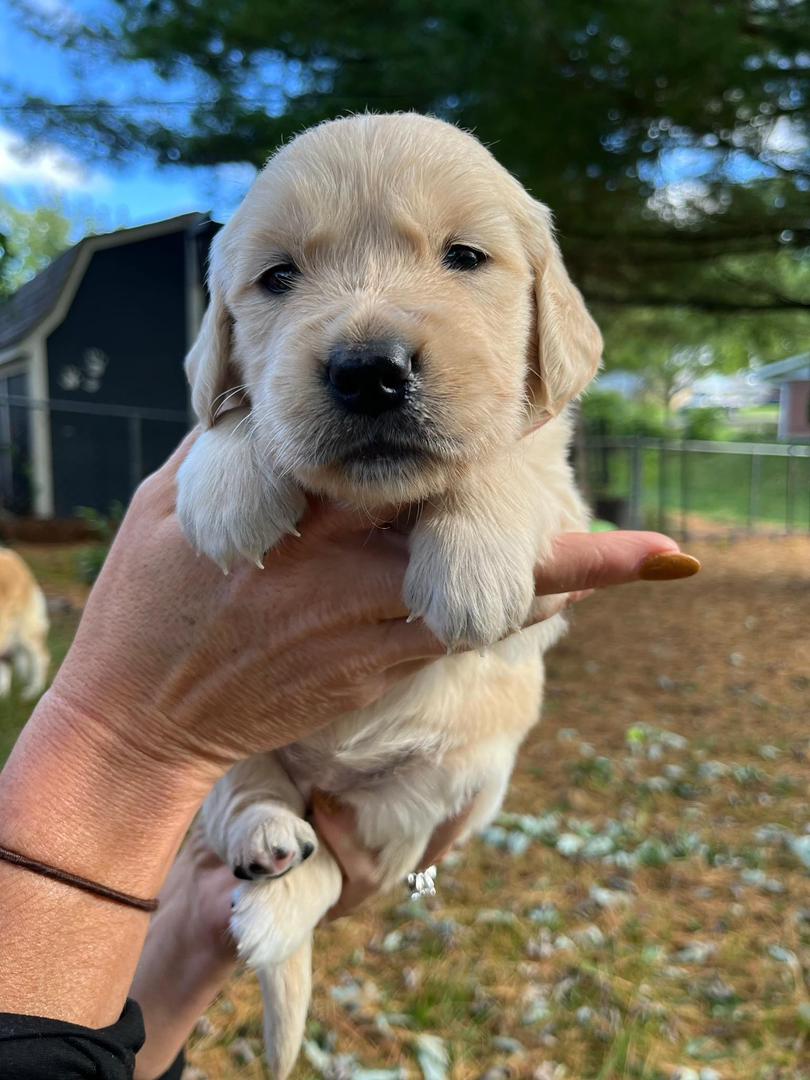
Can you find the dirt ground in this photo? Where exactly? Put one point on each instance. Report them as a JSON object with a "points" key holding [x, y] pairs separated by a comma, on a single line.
{"points": [[644, 909]]}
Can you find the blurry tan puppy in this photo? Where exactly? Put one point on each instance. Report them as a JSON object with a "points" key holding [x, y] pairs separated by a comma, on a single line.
{"points": [[391, 314], [23, 627]]}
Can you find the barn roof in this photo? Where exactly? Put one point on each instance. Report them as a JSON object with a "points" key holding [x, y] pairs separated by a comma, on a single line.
{"points": [[33, 302]]}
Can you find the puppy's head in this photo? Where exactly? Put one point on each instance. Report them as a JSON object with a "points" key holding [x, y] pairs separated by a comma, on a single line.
{"points": [[394, 305]]}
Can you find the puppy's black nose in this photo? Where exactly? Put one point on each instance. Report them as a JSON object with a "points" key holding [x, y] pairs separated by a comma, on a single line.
{"points": [[371, 378]]}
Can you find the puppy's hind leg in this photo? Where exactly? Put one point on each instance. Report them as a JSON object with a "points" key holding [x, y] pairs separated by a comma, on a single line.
{"points": [[253, 820], [33, 659], [286, 989], [273, 922], [272, 919]]}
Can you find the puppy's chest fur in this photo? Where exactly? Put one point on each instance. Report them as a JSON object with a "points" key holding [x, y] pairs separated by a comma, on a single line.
{"points": [[428, 721]]}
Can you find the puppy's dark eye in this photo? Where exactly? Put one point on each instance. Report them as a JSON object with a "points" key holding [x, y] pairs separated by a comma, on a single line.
{"points": [[279, 279], [462, 257]]}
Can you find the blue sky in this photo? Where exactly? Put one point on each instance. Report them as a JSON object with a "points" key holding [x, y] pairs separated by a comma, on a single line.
{"points": [[110, 194]]}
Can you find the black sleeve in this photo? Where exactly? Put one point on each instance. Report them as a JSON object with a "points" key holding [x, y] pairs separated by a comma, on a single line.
{"points": [[33, 1048]]}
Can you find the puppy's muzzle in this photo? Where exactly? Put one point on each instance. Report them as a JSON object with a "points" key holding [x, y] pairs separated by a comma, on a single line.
{"points": [[371, 378]]}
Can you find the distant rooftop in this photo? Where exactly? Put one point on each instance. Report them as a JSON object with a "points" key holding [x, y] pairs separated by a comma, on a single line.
{"points": [[788, 370], [23, 312]]}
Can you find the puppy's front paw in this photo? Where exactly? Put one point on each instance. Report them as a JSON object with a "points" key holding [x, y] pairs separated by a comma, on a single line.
{"points": [[229, 502], [267, 841], [471, 588]]}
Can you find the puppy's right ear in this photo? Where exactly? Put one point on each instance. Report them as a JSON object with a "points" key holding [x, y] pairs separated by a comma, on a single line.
{"points": [[209, 366]]}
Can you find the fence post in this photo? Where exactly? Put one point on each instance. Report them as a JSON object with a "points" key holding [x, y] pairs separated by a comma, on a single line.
{"points": [[636, 484], [684, 492], [662, 485], [790, 489], [135, 451], [753, 491]]}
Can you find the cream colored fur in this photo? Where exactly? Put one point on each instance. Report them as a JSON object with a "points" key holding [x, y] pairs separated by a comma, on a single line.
{"points": [[365, 207], [23, 627]]}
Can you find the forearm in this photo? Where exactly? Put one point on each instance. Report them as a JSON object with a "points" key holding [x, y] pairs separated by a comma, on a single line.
{"points": [[188, 954], [70, 799]]}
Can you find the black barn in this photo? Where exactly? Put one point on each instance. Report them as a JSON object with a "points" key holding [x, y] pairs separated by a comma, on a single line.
{"points": [[92, 391]]}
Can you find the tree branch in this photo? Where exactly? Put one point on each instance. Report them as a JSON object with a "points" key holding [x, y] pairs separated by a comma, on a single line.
{"points": [[709, 304]]}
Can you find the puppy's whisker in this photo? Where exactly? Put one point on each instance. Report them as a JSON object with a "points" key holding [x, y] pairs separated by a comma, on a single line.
{"points": [[220, 402], [245, 419], [227, 393]]}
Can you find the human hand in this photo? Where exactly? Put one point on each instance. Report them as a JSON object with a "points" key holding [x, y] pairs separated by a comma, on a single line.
{"points": [[178, 662], [336, 825], [176, 673], [189, 953], [580, 564]]}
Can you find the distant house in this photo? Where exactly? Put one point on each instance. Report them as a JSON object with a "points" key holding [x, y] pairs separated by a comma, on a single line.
{"points": [[792, 376], [95, 343], [740, 390]]}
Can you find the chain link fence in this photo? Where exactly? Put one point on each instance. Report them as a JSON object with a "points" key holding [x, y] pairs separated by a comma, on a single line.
{"points": [[59, 455], [694, 489]]}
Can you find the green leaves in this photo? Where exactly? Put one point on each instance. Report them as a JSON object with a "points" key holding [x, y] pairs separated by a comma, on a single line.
{"points": [[28, 242]]}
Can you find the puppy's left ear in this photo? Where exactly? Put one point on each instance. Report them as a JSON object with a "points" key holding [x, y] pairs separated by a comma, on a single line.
{"points": [[568, 341]]}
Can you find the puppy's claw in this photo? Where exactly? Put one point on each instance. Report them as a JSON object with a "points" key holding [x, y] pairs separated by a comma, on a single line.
{"points": [[222, 562], [255, 557]]}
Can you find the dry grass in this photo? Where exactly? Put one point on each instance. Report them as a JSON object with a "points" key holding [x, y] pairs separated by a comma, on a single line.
{"points": [[697, 961]]}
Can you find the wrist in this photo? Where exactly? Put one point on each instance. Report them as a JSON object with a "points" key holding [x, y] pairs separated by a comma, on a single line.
{"points": [[81, 797]]}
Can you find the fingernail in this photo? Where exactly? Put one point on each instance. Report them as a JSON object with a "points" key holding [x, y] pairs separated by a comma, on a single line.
{"points": [[325, 801], [668, 566]]}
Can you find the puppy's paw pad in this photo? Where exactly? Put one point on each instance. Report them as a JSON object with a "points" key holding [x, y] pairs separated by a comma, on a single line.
{"points": [[270, 844]]}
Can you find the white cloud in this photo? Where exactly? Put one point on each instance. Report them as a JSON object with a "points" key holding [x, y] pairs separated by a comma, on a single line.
{"points": [[786, 136], [686, 202], [54, 9], [44, 166]]}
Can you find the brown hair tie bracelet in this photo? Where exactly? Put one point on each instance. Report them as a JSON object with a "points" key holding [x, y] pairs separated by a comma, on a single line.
{"points": [[76, 881]]}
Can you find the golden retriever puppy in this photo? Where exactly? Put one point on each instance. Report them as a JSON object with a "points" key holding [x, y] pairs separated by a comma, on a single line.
{"points": [[390, 312], [23, 627]]}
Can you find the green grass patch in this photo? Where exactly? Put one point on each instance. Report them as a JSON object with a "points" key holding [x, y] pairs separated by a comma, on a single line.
{"points": [[440, 1003]]}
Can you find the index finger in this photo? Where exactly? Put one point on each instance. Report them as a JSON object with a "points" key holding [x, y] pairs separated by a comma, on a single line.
{"points": [[594, 560]]}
